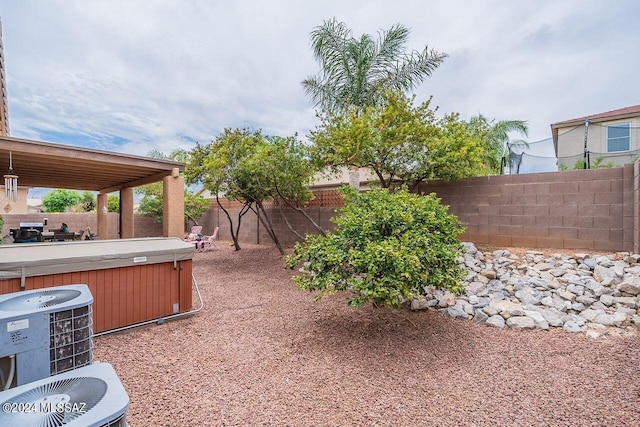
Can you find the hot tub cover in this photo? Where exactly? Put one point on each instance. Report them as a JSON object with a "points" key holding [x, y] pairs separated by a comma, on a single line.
{"points": [[39, 259]]}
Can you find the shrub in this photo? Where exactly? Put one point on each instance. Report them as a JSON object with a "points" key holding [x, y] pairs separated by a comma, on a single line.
{"points": [[87, 202], [113, 203], [598, 163], [59, 200], [386, 248]]}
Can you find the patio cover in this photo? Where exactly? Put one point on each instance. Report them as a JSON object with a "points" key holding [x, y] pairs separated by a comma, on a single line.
{"points": [[49, 165]]}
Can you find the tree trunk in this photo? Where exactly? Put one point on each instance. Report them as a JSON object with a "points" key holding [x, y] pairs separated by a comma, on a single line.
{"points": [[302, 211], [234, 235], [266, 221], [286, 220]]}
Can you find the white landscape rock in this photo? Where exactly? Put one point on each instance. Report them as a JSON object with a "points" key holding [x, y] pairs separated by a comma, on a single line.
{"points": [[538, 319], [521, 322], [630, 285], [497, 321], [579, 292], [507, 309]]}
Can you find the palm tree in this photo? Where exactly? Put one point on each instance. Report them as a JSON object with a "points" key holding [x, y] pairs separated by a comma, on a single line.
{"points": [[495, 135], [357, 71]]}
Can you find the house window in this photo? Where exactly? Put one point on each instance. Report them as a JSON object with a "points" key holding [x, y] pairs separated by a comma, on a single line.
{"points": [[618, 137]]}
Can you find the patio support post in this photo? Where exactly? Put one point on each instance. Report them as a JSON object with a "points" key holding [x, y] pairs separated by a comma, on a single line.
{"points": [[103, 224], [127, 230], [173, 205]]}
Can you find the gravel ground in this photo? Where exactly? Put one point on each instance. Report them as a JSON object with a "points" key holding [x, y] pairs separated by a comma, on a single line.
{"points": [[263, 353]]}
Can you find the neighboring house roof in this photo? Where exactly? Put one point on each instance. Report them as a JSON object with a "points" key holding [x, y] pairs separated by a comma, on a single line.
{"points": [[621, 113]]}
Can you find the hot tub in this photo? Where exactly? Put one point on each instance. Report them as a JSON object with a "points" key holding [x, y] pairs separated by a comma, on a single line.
{"points": [[131, 280]]}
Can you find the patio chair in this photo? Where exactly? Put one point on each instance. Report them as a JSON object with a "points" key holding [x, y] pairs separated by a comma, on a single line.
{"points": [[209, 243], [78, 235], [89, 235]]}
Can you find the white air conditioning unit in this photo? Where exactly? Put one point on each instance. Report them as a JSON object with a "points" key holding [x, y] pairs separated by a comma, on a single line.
{"points": [[92, 396], [44, 332]]}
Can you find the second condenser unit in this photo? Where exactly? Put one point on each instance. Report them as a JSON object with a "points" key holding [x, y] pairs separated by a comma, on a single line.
{"points": [[44, 332]]}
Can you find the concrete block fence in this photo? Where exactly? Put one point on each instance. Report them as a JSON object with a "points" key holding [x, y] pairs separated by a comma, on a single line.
{"points": [[595, 210], [583, 209]]}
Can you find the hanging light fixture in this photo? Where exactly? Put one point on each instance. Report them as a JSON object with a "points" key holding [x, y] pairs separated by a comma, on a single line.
{"points": [[11, 182]]}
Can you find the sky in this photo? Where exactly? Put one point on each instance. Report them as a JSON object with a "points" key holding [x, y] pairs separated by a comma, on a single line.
{"points": [[134, 75]]}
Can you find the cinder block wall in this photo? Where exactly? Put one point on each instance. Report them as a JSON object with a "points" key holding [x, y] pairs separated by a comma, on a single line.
{"points": [[321, 209], [594, 210], [144, 226], [583, 209]]}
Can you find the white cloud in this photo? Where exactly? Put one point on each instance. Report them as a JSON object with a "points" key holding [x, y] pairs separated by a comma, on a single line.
{"points": [[131, 76]]}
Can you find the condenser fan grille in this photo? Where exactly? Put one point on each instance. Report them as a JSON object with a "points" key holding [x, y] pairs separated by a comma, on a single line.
{"points": [[70, 339], [39, 300], [54, 404]]}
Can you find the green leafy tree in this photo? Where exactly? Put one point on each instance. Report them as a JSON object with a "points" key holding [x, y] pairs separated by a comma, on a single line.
{"points": [[356, 71], [221, 167], [59, 200], [251, 169], [387, 248], [495, 138], [151, 202], [113, 203], [194, 205], [87, 202], [289, 172], [400, 142]]}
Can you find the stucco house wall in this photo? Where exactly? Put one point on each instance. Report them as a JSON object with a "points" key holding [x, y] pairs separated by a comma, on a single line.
{"points": [[18, 207], [569, 137]]}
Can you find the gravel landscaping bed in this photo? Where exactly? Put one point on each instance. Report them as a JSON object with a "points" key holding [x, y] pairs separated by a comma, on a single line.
{"points": [[263, 353]]}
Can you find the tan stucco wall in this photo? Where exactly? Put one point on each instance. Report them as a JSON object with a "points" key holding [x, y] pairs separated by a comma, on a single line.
{"points": [[17, 207], [571, 142], [344, 176]]}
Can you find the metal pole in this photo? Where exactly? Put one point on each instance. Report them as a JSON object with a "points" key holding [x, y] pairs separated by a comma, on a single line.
{"points": [[507, 159], [586, 133]]}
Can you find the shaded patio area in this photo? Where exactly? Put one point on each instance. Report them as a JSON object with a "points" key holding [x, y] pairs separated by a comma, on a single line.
{"points": [[50, 165]]}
